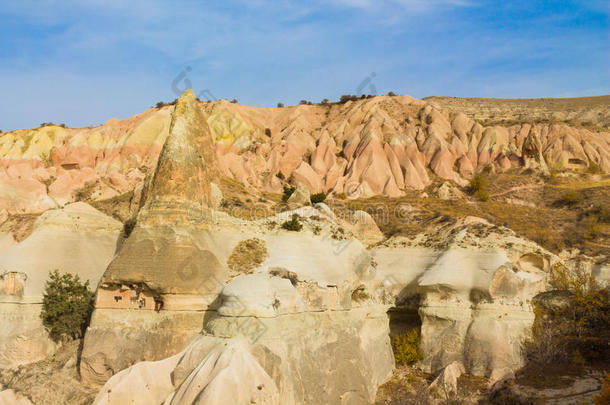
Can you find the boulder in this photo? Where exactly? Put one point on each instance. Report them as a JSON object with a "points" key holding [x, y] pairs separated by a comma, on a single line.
{"points": [[300, 196], [447, 379], [9, 397], [365, 228], [448, 192]]}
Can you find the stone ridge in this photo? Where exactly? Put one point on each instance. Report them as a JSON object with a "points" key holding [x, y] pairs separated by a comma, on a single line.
{"points": [[379, 146], [185, 168]]}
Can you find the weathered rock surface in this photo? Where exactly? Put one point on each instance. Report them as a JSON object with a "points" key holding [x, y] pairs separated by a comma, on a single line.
{"points": [[77, 239], [291, 325], [473, 284], [9, 397], [164, 259], [377, 146], [448, 377], [307, 322], [302, 338], [300, 196]]}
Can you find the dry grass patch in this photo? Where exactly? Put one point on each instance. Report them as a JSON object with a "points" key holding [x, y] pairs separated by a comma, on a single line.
{"points": [[20, 225], [247, 255], [119, 207]]}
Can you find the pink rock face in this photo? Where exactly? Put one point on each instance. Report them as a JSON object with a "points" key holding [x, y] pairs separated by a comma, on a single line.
{"points": [[378, 146], [71, 160], [306, 176], [323, 157]]}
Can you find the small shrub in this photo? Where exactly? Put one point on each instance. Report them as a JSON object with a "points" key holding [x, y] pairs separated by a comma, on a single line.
{"points": [[280, 176], [287, 193], [280, 105], [268, 132], [482, 195], [506, 395], [391, 94], [318, 198], [347, 97], [594, 168], [162, 104], [406, 347], [67, 305], [579, 323], [360, 294], [592, 228], [248, 255], [45, 159], [478, 182], [51, 124], [293, 225], [478, 187], [603, 398], [571, 198], [325, 101], [234, 101], [128, 226]]}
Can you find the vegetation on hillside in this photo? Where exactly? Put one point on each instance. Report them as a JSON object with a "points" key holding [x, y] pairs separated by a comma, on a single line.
{"points": [[603, 398], [406, 347], [288, 190], [293, 225], [478, 187], [247, 255], [572, 325], [318, 198], [67, 305]]}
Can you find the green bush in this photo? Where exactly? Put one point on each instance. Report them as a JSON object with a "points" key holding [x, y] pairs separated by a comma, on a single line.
{"points": [[572, 322], [280, 176], [478, 187], [406, 347], [477, 183], [347, 97], [318, 198], [287, 192], [67, 304], [293, 225], [482, 195], [128, 226]]}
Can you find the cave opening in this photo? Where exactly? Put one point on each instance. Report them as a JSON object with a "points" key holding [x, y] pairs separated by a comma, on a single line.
{"points": [[405, 332]]}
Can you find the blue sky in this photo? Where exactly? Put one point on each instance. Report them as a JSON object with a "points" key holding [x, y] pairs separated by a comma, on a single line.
{"points": [[84, 62]]}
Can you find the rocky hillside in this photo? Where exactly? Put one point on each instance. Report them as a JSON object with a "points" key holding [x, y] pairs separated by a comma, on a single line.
{"points": [[590, 112], [228, 281], [374, 146]]}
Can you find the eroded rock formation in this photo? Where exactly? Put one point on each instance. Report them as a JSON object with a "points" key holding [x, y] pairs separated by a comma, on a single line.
{"points": [[376, 146], [77, 239], [194, 305]]}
